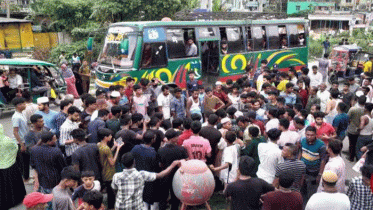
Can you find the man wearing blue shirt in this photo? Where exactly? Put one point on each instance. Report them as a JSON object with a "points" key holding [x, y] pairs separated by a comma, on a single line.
{"points": [[49, 116], [289, 95]]}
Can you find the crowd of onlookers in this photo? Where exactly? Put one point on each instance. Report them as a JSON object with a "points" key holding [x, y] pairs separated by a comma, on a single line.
{"points": [[273, 140]]}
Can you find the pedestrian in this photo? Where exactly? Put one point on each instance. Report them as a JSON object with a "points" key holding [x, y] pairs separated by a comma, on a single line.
{"points": [[340, 122], [330, 198], [31, 107], [326, 45], [62, 115], [89, 184], [198, 147], [97, 124], [324, 130], [37, 201], [324, 64], [251, 148], [287, 136], [354, 114], [359, 191], [315, 77], [70, 80], [365, 128], [62, 193], [33, 136], [85, 74], [178, 104], [92, 200], [164, 102], [66, 141], [11, 185], [49, 115]]}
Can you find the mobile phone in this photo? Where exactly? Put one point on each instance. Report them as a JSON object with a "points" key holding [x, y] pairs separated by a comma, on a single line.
{"points": [[119, 141]]}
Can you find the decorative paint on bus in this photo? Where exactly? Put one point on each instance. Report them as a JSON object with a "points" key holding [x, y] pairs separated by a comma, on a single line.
{"points": [[231, 67]]}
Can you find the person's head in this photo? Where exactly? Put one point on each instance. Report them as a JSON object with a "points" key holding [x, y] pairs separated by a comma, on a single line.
{"points": [[177, 123], [242, 121], [329, 179], [103, 114], [70, 177], [137, 89], [187, 123], [289, 87], [27, 96], [289, 114], [305, 71], [196, 126], [37, 121], [190, 41], [100, 94], [177, 93], [274, 134], [289, 151], [342, 107], [213, 119], [334, 147], [148, 137], [126, 120], [65, 105], [251, 115], [105, 135], [351, 80], [196, 116], [12, 72], [208, 92], [311, 134], [368, 107], [128, 160], [172, 135], [73, 113], [90, 103], [323, 87], [286, 179], [47, 137], [319, 118], [284, 124], [165, 90], [116, 111], [19, 103], [92, 200], [230, 137], [299, 123], [78, 135], [191, 75], [272, 113], [334, 94], [144, 83], [361, 100], [226, 123], [218, 86], [246, 165], [37, 201], [314, 69], [130, 81], [137, 118], [254, 131], [315, 108], [367, 172], [88, 177], [43, 103]]}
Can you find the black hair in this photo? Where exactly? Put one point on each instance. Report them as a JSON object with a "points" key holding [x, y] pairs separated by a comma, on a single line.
{"points": [[290, 112], [343, 107], [229, 82], [289, 85], [187, 122], [334, 93], [125, 119], [136, 87], [94, 198], [148, 137], [213, 119], [311, 128], [242, 119], [144, 82], [361, 100], [196, 116], [153, 121], [273, 112], [99, 92], [286, 179], [177, 122], [298, 107], [73, 109], [128, 160], [368, 107], [27, 96], [221, 113], [246, 165], [87, 174], [78, 134], [305, 70], [46, 136], [230, 136], [35, 117], [65, 103], [367, 171], [254, 131], [177, 90], [164, 87], [317, 106], [299, 121], [190, 72], [18, 100], [104, 132], [89, 101], [85, 96], [336, 146], [103, 112], [293, 148], [280, 100], [196, 126], [319, 115], [284, 123], [251, 115], [70, 172], [125, 109], [116, 110], [231, 111], [137, 117], [274, 134]]}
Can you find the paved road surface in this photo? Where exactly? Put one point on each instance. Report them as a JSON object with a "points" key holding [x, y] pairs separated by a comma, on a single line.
{"points": [[5, 120]]}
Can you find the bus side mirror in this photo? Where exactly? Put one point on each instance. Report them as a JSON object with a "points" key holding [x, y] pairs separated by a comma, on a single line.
{"points": [[90, 44], [124, 47]]}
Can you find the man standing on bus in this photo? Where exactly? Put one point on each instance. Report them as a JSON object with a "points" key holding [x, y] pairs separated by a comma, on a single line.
{"points": [[191, 48]]}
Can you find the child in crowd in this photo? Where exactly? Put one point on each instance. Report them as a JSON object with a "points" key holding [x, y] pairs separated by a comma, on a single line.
{"points": [[89, 183]]}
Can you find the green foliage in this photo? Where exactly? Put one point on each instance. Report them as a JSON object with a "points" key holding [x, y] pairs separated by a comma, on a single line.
{"points": [[315, 48], [217, 6]]}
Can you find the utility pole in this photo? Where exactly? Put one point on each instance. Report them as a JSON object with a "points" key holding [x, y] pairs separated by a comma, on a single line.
{"points": [[7, 9]]}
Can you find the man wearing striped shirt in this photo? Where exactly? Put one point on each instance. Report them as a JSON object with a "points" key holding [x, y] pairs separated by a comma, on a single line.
{"points": [[70, 124]]}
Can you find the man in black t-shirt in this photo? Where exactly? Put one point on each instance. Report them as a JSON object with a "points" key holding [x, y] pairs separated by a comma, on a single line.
{"points": [[245, 193], [166, 155], [129, 137], [212, 134]]}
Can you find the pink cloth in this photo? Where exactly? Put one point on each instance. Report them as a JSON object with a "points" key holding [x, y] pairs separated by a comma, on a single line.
{"points": [[197, 147], [71, 88]]}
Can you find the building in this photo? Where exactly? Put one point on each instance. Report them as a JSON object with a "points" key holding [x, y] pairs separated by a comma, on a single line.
{"points": [[296, 6], [16, 35]]}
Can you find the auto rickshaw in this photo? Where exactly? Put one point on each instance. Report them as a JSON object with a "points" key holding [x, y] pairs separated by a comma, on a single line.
{"points": [[50, 76], [346, 61]]}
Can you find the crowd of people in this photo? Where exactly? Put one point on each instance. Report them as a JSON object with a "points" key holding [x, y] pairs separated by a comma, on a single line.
{"points": [[273, 140]]}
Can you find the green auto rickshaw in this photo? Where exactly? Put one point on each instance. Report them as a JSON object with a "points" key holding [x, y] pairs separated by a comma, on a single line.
{"points": [[48, 74]]}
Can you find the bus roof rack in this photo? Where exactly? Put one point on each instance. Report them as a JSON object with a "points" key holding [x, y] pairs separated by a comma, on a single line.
{"points": [[189, 15]]}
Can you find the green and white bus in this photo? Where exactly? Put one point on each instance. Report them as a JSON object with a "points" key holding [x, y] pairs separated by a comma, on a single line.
{"points": [[224, 49]]}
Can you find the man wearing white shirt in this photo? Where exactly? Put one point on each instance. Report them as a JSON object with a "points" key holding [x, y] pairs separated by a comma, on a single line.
{"points": [[324, 97], [269, 156], [315, 77], [273, 122], [164, 102], [15, 84], [286, 135]]}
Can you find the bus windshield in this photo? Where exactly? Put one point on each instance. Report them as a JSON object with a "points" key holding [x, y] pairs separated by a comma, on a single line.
{"points": [[119, 48]]}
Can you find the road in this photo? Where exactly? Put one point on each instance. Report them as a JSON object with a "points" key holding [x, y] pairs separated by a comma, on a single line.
{"points": [[6, 121]]}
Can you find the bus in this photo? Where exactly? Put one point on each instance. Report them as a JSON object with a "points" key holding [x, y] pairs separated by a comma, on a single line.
{"points": [[213, 50]]}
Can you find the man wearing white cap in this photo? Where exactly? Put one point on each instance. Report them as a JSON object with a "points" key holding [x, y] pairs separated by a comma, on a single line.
{"points": [[48, 115], [114, 99], [218, 92]]}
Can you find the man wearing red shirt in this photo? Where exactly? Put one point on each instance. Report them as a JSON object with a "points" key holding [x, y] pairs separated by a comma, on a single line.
{"points": [[325, 131], [218, 92], [252, 119], [129, 89], [187, 133]]}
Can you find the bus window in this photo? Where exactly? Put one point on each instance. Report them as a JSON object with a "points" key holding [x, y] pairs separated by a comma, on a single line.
{"points": [[283, 37], [249, 44], [293, 35], [259, 38], [235, 40], [301, 37], [175, 43], [154, 55], [273, 38]]}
